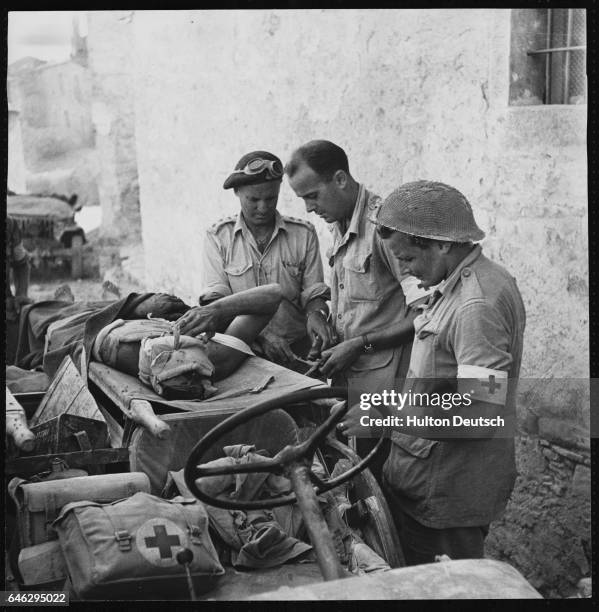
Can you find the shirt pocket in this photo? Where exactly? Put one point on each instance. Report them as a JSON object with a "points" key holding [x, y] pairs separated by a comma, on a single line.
{"points": [[372, 361], [291, 276], [359, 281], [410, 467], [424, 326], [241, 276], [423, 359]]}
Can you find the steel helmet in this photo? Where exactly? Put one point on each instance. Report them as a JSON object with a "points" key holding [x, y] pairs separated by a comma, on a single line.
{"points": [[430, 210]]}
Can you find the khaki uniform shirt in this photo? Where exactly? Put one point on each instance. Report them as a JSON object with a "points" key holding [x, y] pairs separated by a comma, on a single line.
{"points": [[474, 323], [233, 263], [367, 293]]}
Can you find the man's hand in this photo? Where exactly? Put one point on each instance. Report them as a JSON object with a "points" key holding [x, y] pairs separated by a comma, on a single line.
{"points": [[321, 332], [351, 426], [340, 357], [198, 320], [276, 349]]}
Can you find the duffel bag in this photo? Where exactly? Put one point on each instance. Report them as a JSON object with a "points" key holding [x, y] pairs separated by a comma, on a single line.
{"points": [[176, 367], [39, 503], [117, 344], [128, 549]]}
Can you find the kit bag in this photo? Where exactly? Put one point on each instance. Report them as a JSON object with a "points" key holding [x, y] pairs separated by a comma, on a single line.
{"points": [[39, 503], [128, 549], [176, 367], [117, 344]]}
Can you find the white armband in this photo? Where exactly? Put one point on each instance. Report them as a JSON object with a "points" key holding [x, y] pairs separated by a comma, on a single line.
{"points": [[483, 384]]}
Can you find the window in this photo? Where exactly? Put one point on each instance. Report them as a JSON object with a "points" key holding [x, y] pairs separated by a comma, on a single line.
{"points": [[548, 56]]}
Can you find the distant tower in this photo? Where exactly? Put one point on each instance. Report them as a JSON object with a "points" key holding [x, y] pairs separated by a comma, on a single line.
{"points": [[78, 44]]}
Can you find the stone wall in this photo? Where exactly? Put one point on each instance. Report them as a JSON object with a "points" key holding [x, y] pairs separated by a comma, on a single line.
{"points": [[409, 94], [109, 58], [546, 531]]}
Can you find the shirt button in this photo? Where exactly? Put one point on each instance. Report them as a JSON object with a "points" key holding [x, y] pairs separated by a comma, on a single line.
{"points": [[466, 272], [341, 285]]}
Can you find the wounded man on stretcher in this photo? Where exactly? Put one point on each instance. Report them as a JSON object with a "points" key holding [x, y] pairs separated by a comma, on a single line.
{"points": [[181, 359], [178, 350]]}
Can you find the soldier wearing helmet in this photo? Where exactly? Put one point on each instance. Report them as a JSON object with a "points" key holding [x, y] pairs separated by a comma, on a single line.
{"points": [[446, 486]]}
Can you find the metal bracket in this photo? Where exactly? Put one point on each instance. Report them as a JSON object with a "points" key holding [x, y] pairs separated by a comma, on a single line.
{"points": [[123, 538]]}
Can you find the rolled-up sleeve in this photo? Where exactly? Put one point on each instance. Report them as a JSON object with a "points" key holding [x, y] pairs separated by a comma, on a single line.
{"points": [[216, 283], [313, 284]]}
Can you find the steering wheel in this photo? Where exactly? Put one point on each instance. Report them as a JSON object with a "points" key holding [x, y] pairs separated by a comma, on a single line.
{"points": [[283, 462]]}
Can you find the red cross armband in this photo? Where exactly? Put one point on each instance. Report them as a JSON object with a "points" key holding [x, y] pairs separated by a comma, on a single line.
{"points": [[482, 384]]}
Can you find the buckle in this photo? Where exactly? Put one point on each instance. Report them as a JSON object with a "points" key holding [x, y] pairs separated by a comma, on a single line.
{"points": [[195, 534], [123, 538]]}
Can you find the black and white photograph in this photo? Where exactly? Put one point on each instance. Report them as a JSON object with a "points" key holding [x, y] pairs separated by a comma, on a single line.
{"points": [[297, 305]]}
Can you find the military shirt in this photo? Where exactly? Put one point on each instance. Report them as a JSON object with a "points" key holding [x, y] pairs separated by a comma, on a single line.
{"points": [[474, 323], [366, 283], [233, 263]]}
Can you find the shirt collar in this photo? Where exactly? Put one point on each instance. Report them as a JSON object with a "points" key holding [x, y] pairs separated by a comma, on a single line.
{"points": [[241, 225], [356, 218], [448, 285], [354, 224]]}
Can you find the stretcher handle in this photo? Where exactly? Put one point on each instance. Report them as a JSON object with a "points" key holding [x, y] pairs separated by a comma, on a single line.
{"points": [[140, 411]]}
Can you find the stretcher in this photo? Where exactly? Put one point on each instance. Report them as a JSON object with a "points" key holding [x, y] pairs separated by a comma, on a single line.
{"points": [[255, 380]]}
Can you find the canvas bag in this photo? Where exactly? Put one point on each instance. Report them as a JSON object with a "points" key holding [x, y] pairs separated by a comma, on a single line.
{"points": [[128, 549], [39, 503], [176, 367], [117, 344]]}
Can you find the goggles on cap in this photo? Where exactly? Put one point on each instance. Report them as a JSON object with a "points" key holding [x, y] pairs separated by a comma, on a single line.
{"points": [[273, 168]]}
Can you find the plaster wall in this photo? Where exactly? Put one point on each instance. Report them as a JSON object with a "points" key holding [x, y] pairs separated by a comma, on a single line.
{"points": [[109, 43], [408, 94]]}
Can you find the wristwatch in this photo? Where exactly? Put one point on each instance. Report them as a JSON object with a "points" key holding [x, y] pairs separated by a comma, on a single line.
{"points": [[368, 348]]}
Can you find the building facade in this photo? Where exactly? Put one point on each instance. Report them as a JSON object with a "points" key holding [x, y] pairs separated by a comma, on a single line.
{"points": [[110, 60], [53, 96], [410, 94]]}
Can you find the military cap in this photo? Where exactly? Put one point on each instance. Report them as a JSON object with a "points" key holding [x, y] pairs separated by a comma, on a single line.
{"points": [[253, 168]]}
